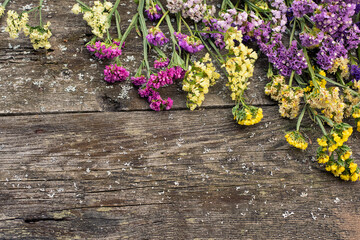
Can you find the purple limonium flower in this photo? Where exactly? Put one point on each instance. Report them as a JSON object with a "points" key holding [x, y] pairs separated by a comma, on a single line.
{"points": [[285, 60], [211, 24], [114, 73], [161, 63], [329, 51], [156, 37], [138, 81], [354, 72], [311, 40], [104, 50], [153, 11], [334, 18], [302, 7], [190, 44]]}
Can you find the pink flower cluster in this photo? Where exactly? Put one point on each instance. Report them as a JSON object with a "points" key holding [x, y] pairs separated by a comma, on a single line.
{"points": [[149, 87], [104, 50], [114, 73], [161, 63]]}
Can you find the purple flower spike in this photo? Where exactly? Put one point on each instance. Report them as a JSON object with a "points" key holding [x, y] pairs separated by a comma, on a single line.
{"points": [[104, 50], [153, 11], [190, 44], [114, 73], [161, 63], [156, 37]]}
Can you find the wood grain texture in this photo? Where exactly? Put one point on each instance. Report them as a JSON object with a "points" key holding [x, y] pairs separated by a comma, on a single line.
{"points": [[68, 79], [169, 175]]}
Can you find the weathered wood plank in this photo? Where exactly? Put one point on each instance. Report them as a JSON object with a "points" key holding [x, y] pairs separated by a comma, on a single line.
{"points": [[68, 79], [174, 175]]}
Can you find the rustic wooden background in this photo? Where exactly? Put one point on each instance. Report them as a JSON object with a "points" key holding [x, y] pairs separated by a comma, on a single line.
{"points": [[82, 159]]}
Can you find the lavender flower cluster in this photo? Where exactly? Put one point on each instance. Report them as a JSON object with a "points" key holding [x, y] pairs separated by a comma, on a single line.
{"points": [[285, 60], [190, 44], [302, 7], [156, 37], [153, 11]]}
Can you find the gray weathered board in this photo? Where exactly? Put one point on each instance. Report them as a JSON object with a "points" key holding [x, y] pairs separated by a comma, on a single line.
{"points": [[82, 159]]}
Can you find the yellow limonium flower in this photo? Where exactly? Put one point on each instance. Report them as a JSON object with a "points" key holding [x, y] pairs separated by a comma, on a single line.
{"points": [[200, 76], [97, 18], [39, 36], [15, 23], [247, 115], [296, 139], [2, 10]]}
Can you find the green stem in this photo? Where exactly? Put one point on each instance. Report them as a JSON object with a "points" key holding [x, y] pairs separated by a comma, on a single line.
{"points": [[118, 20], [113, 10], [321, 125], [83, 4], [187, 61], [292, 32], [338, 84], [5, 3], [130, 27], [178, 20], [108, 35], [187, 26], [161, 53], [223, 5], [340, 78], [300, 118], [144, 33], [291, 78], [161, 19], [31, 10], [217, 51], [40, 8], [311, 70]]}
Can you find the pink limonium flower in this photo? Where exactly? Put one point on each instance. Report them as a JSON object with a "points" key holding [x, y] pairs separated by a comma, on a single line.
{"points": [[138, 81], [161, 63], [153, 11], [157, 103], [190, 44], [104, 50], [150, 89], [156, 37], [114, 73]]}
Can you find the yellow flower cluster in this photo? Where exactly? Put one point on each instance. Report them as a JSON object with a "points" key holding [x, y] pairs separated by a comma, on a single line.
{"points": [[338, 139], [247, 115], [288, 98], [39, 36], [342, 64], [241, 66], [321, 83], [200, 76], [356, 115], [296, 139], [16, 23], [2, 10], [346, 171], [343, 167], [97, 18], [330, 101]]}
